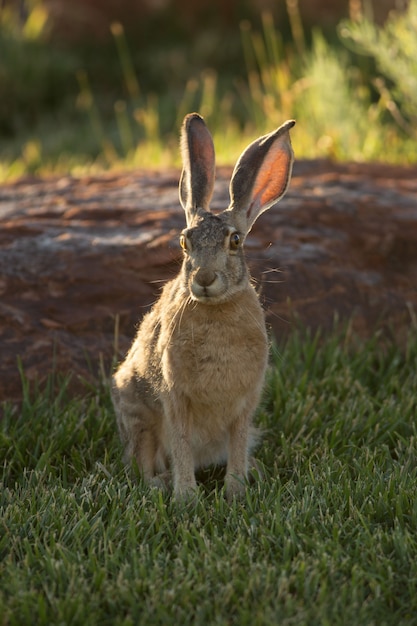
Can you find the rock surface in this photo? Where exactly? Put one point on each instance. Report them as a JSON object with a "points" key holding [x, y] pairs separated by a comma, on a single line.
{"points": [[81, 260]]}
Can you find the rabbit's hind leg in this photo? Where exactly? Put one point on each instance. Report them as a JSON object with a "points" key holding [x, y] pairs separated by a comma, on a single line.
{"points": [[140, 445], [139, 427], [141, 448]]}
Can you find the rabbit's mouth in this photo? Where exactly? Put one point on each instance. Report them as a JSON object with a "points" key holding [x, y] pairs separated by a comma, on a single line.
{"points": [[208, 286], [217, 292]]}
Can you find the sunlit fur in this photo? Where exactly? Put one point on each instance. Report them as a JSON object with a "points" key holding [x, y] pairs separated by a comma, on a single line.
{"points": [[186, 393]]}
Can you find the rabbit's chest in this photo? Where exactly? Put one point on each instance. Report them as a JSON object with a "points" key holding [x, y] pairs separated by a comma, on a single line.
{"points": [[208, 359]]}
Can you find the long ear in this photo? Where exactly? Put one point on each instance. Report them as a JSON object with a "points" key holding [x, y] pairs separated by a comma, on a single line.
{"points": [[261, 176], [197, 178]]}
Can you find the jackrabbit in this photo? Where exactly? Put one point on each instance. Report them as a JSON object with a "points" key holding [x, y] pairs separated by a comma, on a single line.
{"points": [[187, 390]]}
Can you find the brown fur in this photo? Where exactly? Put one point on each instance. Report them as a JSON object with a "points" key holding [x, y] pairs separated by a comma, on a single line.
{"points": [[188, 388]]}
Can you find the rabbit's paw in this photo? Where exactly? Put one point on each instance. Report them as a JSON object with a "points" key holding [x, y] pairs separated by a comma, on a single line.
{"points": [[235, 488], [161, 481], [186, 492]]}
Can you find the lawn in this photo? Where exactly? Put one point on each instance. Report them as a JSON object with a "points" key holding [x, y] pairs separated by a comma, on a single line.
{"points": [[327, 536]]}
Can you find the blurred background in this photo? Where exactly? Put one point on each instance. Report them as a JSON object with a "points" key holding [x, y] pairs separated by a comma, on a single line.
{"points": [[89, 85]]}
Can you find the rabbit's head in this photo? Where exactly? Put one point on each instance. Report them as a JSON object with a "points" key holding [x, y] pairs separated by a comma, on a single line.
{"points": [[214, 268]]}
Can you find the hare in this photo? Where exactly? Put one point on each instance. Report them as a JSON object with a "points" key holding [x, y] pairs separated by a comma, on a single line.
{"points": [[186, 393]]}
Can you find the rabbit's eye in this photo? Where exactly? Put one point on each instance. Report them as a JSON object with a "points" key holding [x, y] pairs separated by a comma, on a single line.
{"points": [[183, 242], [234, 241]]}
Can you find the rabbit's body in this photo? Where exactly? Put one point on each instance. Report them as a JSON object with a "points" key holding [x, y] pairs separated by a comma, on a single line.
{"points": [[189, 367], [187, 390]]}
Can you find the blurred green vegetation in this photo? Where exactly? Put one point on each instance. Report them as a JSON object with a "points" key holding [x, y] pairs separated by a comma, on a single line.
{"points": [[119, 103]]}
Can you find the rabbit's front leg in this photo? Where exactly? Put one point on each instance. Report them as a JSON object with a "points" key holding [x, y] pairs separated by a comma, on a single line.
{"points": [[182, 458], [237, 463]]}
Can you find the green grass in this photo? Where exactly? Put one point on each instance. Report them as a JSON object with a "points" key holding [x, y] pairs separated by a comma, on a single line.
{"points": [[328, 536]]}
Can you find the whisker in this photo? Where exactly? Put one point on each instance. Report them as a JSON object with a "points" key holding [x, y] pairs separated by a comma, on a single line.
{"points": [[273, 282], [177, 317], [173, 323], [278, 316], [256, 322], [186, 303], [158, 281], [273, 270]]}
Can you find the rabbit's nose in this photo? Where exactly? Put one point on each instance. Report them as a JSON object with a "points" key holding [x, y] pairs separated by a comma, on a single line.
{"points": [[205, 277]]}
